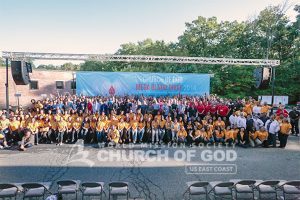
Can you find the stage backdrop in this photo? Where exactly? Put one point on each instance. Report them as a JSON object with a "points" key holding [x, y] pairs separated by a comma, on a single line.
{"points": [[156, 84]]}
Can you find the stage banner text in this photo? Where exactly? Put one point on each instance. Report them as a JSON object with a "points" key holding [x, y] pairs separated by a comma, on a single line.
{"points": [[134, 83]]}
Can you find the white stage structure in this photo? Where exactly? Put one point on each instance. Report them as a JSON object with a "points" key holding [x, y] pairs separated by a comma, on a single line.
{"points": [[137, 58]]}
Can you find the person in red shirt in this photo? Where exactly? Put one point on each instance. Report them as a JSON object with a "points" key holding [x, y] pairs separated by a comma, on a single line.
{"points": [[207, 108], [282, 111], [200, 108], [223, 110], [213, 109]]}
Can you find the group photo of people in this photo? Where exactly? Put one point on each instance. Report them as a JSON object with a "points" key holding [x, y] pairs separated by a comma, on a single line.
{"points": [[188, 120]]}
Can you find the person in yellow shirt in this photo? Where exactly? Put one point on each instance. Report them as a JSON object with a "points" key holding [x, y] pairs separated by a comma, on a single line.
{"points": [[265, 109], [248, 108], [148, 129], [121, 116], [219, 123], [285, 129], [168, 131], [259, 137], [62, 128], [45, 130], [69, 131], [66, 116], [218, 135], [33, 127], [14, 126], [161, 129], [134, 128], [158, 116], [155, 126], [229, 138], [126, 133], [175, 128], [99, 131], [122, 130], [85, 129], [76, 129], [4, 129], [181, 135], [141, 130], [93, 124], [113, 136], [209, 136]]}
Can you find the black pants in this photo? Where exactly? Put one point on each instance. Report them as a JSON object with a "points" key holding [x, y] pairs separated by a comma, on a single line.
{"points": [[295, 126], [283, 139], [272, 139]]}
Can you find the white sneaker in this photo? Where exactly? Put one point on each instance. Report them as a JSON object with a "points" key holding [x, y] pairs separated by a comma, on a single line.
{"points": [[1, 147]]}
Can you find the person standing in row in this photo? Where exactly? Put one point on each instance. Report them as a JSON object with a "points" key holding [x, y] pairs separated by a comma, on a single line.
{"points": [[295, 116]]}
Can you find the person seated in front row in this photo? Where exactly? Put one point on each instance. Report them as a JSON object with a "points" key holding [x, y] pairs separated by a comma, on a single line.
{"points": [[229, 137], [243, 138], [208, 138], [27, 140], [218, 134], [181, 135], [113, 136], [259, 138]]}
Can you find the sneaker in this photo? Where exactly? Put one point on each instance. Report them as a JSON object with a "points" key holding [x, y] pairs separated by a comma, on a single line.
{"points": [[1, 147]]}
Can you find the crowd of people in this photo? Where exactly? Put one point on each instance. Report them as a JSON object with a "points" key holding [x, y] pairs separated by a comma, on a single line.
{"points": [[189, 120]]}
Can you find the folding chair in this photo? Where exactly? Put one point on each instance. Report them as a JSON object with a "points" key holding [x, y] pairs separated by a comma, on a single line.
{"points": [[267, 187], [118, 189], [66, 187], [197, 188], [91, 189], [36, 190], [290, 188], [222, 189], [8, 190], [244, 187]]}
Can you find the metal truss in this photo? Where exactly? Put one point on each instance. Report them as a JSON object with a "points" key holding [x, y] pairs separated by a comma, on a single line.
{"points": [[137, 58]]}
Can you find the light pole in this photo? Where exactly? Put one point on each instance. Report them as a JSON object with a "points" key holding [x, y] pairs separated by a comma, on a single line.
{"points": [[273, 86], [6, 86]]}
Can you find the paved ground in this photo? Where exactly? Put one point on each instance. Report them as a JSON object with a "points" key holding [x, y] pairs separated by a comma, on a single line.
{"points": [[148, 179]]}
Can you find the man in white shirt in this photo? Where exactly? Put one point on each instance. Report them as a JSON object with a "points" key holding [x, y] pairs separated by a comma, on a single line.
{"points": [[256, 109], [272, 126], [96, 106], [233, 120], [257, 123], [241, 121]]}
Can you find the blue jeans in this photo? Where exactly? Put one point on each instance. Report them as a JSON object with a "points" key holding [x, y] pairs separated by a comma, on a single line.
{"points": [[140, 134], [161, 133], [134, 135], [219, 140], [4, 132]]}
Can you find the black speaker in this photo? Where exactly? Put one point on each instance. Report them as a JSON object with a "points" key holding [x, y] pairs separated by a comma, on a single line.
{"points": [[20, 73], [29, 67], [262, 77]]}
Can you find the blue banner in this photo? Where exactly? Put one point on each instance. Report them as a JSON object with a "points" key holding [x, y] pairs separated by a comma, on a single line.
{"points": [[132, 83]]}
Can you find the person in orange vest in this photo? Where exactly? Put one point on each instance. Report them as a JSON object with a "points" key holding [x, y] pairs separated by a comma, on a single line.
{"points": [[284, 132]]}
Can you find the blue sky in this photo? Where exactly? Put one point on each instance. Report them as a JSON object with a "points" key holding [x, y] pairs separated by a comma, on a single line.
{"points": [[100, 26]]}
